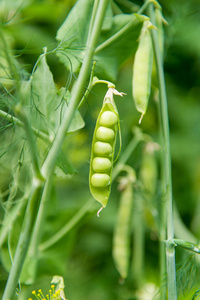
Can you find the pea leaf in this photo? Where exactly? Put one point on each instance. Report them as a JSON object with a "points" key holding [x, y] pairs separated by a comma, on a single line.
{"points": [[64, 164], [107, 22], [73, 34], [110, 56], [73, 37], [41, 98], [45, 105]]}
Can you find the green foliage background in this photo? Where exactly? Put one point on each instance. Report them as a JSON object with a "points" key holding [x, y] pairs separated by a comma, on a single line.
{"points": [[84, 255]]}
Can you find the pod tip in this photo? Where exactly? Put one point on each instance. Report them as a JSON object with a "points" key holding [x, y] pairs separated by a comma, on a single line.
{"points": [[140, 120], [99, 211]]}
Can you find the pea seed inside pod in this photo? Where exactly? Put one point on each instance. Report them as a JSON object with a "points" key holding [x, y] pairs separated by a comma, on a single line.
{"points": [[100, 180], [105, 134], [102, 149], [108, 119], [101, 164]]}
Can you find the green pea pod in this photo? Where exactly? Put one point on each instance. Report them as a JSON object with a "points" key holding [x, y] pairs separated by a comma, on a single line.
{"points": [[148, 170], [142, 69], [121, 238], [103, 147]]}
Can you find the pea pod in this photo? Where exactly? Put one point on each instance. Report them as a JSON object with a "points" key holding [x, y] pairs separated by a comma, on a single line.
{"points": [[121, 238], [103, 148], [148, 170], [142, 69]]}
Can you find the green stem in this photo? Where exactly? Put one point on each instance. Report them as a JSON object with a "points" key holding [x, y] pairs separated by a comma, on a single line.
{"points": [[187, 245], [170, 251], [24, 240], [76, 90], [109, 84], [90, 86], [171, 270], [39, 224], [92, 83], [138, 242], [32, 255], [94, 11], [162, 219], [43, 136]]}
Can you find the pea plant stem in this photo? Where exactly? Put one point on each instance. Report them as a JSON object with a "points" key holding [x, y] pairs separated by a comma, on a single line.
{"points": [[94, 11], [39, 224], [138, 242], [24, 240], [170, 251], [187, 245]]}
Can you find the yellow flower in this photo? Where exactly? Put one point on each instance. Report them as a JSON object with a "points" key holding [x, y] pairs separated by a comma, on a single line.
{"points": [[54, 293]]}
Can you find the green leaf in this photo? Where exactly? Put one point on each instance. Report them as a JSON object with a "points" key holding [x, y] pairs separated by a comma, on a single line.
{"points": [[76, 123], [65, 165], [110, 56], [39, 94], [73, 37], [44, 95], [108, 19], [73, 34], [45, 106]]}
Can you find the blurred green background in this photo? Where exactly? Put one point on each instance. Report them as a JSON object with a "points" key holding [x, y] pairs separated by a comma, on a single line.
{"points": [[84, 255]]}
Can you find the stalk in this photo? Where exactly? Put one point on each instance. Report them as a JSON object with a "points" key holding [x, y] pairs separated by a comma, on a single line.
{"points": [[138, 242], [170, 251], [24, 240], [32, 256], [94, 11], [76, 90]]}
